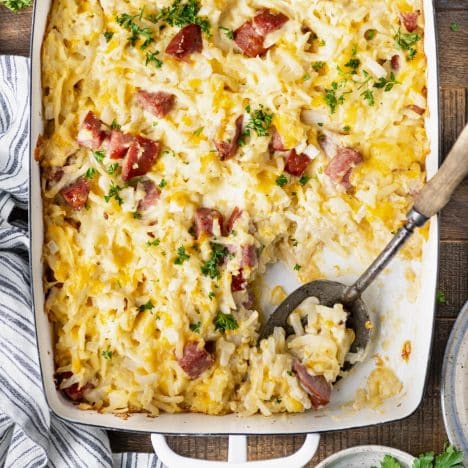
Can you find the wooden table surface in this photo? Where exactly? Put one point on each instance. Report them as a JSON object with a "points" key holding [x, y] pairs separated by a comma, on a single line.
{"points": [[424, 430]]}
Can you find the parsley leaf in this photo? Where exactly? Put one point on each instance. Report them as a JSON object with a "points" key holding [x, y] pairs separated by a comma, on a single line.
{"points": [[387, 85], [407, 41], [389, 462], [162, 184], [198, 131], [440, 297], [181, 14], [108, 35], [331, 98], [210, 267], [353, 64], [115, 125], [297, 267], [225, 322], [181, 256], [370, 34], [281, 180], [424, 460], [148, 306], [259, 122], [317, 66], [368, 96], [99, 155], [136, 215], [136, 31], [90, 173], [195, 327], [449, 458], [152, 57], [16, 5], [153, 243], [107, 354], [211, 295], [454, 26], [113, 168], [304, 179], [114, 193], [228, 32]]}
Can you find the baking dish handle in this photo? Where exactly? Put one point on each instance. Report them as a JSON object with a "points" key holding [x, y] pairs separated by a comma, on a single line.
{"points": [[237, 455]]}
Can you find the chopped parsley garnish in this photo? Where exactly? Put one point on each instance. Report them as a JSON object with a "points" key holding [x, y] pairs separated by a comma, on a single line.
{"points": [[346, 128], [234, 233], [385, 84], [259, 122], [198, 131], [106, 354], [440, 297], [304, 179], [210, 267], [225, 322], [181, 14], [108, 35], [322, 43], [136, 215], [306, 77], [113, 168], [332, 99], [99, 155], [162, 184], [148, 306], [368, 95], [114, 193], [407, 41], [370, 34], [115, 125], [353, 64], [281, 180], [211, 295], [16, 5], [317, 66], [454, 26], [195, 327], [136, 31], [289, 373], [229, 33], [90, 173], [297, 267], [153, 243], [181, 256], [152, 57]]}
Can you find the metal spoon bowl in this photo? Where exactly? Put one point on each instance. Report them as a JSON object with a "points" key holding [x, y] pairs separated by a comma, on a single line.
{"points": [[431, 199]]}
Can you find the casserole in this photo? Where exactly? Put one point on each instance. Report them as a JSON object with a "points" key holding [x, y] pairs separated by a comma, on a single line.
{"points": [[385, 299]]}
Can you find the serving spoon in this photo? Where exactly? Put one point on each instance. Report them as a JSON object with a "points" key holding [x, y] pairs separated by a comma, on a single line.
{"points": [[430, 200]]}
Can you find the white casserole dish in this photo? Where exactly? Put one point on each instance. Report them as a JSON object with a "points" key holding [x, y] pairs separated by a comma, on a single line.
{"points": [[409, 321]]}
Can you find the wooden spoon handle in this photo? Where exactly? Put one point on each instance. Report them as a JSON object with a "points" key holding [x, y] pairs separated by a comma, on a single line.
{"points": [[437, 192]]}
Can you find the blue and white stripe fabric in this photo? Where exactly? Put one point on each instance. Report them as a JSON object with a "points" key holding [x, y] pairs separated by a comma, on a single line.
{"points": [[30, 436]]}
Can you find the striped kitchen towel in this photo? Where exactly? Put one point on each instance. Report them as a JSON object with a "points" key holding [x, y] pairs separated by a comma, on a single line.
{"points": [[30, 436]]}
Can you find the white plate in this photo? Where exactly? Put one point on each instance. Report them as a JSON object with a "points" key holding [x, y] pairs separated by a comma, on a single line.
{"points": [[454, 390], [365, 456]]}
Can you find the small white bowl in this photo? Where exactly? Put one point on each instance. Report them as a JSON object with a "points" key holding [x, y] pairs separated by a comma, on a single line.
{"points": [[365, 456]]}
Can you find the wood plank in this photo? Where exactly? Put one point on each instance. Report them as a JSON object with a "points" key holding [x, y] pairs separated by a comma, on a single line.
{"points": [[451, 4], [452, 50], [422, 431], [15, 31], [453, 277], [453, 117]]}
